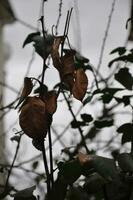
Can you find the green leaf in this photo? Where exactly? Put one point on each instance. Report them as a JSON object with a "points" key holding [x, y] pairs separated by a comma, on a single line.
{"points": [[15, 138], [70, 170], [125, 99], [125, 78], [119, 50], [30, 38], [92, 133], [125, 58], [86, 117], [130, 19], [35, 165], [44, 89], [107, 98], [103, 123], [25, 194], [88, 99], [127, 130], [105, 167], [125, 162], [81, 59], [94, 184], [110, 91], [77, 193], [42, 47], [77, 124]]}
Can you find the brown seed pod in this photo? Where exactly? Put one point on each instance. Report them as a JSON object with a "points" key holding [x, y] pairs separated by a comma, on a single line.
{"points": [[55, 52], [28, 85], [67, 69], [33, 118], [80, 86], [51, 102]]}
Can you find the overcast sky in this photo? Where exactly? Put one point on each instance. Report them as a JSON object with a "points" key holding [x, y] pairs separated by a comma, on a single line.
{"points": [[89, 26], [86, 31]]}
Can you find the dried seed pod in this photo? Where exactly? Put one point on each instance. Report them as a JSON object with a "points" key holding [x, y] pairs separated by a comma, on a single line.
{"points": [[67, 69], [51, 102], [80, 86], [33, 118], [55, 52], [28, 85]]}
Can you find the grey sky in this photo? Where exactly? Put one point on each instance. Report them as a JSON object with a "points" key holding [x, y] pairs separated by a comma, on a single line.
{"points": [[93, 15]]}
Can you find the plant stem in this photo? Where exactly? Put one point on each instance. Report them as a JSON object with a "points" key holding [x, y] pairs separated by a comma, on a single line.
{"points": [[10, 170], [79, 128], [51, 157], [46, 168]]}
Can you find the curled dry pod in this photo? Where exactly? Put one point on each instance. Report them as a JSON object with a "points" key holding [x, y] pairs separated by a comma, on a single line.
{"points": [[55, 52], [67, 69], [28, 85], [33, 118], [51, 102], [80, 85]]}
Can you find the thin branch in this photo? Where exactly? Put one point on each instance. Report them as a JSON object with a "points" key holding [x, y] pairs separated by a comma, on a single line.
{"points": [[46, 168], [51, 156], [10, 170], [59, 17], [106, 35], [74, 117]]}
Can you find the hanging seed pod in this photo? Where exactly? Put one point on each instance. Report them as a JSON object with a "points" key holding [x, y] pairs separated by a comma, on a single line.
{"points": [[80, 86], [67, 69], [33, 118], [28, 85], [55, 52], [51, 102]]}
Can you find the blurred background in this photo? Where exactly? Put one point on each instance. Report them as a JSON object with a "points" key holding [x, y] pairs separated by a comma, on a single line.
{"points": [[93, 24]]}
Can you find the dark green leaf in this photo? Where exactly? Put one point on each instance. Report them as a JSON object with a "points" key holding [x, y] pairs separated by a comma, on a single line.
{"points": [[125, 162], [110, 91], [105, 167], [86, 117], [81, 59], [92, 133], [35, 165], [127, 130], [43, 89], [83, 66], [119, 50], [124, 77], [125, 58], [94, 184], [15, 138], [77, 124], [26, 194], [107, 98], [88, 99], [126, 100], [103, 123], [77, 193], [127, 22], [121, 58], [70, 170], [30, 38], [43, 48]]}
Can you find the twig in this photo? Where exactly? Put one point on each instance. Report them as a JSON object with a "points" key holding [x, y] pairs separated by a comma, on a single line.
{"points": [[59, 17], [46, 167], [10, 170], [51, 157], [79, 128], [105, 36]]}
